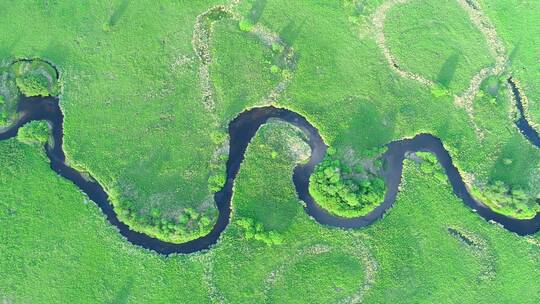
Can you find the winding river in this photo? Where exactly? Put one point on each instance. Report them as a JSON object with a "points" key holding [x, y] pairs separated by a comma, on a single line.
{"points": [[241, 130]]}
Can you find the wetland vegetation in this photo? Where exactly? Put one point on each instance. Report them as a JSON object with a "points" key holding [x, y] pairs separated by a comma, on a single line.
{"points": [[148, 91]]}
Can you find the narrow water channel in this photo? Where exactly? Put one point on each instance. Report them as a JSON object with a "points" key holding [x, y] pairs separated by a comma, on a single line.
{"points": [[241, 130]]}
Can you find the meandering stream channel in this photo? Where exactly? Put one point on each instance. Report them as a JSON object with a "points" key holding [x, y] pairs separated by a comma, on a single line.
{"points": [[241, 130]]}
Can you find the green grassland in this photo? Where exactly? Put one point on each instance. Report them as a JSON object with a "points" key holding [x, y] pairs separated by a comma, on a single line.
{"points": [[451, 50], [241, 70], [57, 246], [136, 121], [371, 105], [133, 118], [515, 22], [515, 161]]}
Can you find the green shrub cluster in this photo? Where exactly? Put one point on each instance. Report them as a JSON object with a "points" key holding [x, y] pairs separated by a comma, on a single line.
{"points": [[430, 165], [345, 191], [278, 48], [355, 10], [190, 224], [282, 60], [216, 182], [253, 230], [33, 85], [245, 25], [35, 132], [439, 91], [509, 200], [217, 176]]}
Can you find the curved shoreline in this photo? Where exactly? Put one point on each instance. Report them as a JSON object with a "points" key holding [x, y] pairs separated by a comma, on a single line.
{"points": [[522, 123], [241, 130]]}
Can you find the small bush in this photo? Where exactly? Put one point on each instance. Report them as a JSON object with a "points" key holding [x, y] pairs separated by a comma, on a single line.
{"points": [[216, 182], [439, 91], [277, 48], [245, 25], [274, 69], [287, 74]]}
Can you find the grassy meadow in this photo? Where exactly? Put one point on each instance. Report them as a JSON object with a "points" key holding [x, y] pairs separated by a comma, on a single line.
{"points": [[451, 50], [516, 25], [372, 105], [428, 248], [133, 118], [132, 97], [136, 121]]}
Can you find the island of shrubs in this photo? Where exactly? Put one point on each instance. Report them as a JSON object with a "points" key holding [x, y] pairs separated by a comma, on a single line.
{"points": [[36, 78], [188, 225], [253, 230], [346, 191], [25, 77]]}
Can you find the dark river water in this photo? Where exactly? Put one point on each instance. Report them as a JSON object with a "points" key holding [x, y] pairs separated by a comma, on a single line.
{"points": [[523, 125], [241, 130]]}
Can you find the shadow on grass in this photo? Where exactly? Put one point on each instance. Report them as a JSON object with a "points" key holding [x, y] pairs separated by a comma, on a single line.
{"points": [[256, 11], [122, 296], [118, 12], [514, 53], [290, 32], [57, 51], [448, 70]]}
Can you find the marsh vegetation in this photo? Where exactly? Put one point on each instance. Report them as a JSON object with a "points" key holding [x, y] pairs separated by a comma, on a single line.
{"points": [[148, 91]]}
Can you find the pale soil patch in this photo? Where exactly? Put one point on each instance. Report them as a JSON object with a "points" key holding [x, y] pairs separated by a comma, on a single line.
{"points": [[378, 19]]}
